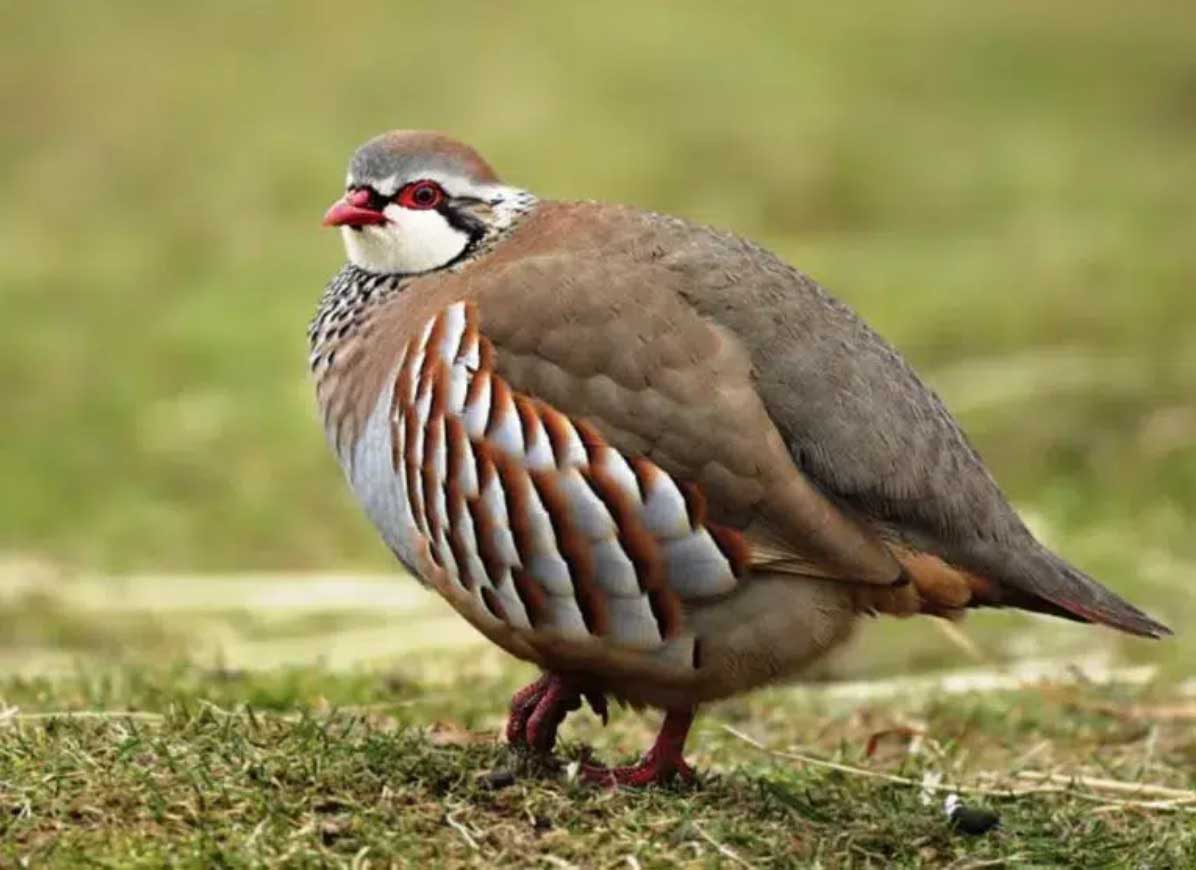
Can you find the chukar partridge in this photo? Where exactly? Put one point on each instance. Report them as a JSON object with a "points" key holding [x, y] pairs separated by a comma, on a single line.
{"points": [[646, 456]]}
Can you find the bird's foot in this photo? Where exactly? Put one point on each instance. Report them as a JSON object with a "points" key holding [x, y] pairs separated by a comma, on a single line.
{"points": [[558, 701], [523, 704], [661, 763], [538, 709], [650, 770]]}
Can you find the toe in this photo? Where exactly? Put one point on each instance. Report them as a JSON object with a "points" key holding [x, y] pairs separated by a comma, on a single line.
{"points": [[649, 771], [523, 705]]}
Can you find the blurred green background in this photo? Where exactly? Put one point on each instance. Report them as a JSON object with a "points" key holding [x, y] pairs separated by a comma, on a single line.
{"points": [[1006, 191]]}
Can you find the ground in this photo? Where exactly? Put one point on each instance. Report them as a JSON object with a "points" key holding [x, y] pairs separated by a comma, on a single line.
{"points": [[306, 768], [382, 748]]}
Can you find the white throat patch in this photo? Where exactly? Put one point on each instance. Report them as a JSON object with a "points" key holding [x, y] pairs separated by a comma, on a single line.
{"points": [[411, 241], [420, 240]]}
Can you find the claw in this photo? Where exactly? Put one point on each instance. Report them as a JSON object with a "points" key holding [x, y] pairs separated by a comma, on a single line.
{"points": [[661, 763], [597, 702]]}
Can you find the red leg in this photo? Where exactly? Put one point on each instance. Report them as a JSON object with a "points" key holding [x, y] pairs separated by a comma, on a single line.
{"points": [[663, 761]]}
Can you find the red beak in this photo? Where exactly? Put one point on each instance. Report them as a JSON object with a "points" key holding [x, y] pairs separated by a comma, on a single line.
{"points": [[351, 211]]}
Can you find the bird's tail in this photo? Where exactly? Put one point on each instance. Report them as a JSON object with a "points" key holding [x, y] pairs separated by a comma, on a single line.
{"points": [[1034, 578]]}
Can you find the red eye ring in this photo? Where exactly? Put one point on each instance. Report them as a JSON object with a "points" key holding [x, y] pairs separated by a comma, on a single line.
{"points": [[420, 195]]}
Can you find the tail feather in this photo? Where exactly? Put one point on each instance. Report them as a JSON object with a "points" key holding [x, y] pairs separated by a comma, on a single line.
{"points": [[1034, 578]]}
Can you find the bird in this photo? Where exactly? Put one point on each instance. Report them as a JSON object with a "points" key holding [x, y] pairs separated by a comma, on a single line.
{"points": [[646, 456]]}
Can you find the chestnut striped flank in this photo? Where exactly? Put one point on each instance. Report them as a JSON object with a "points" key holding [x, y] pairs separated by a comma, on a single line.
{"points": [[579, 560], [410, 437], [567, 448], [462, 538], [490, 599], [533, 597], [733, 547], [546, 525], [431, 483], [695, 504], [485, 531], [641, 548]]}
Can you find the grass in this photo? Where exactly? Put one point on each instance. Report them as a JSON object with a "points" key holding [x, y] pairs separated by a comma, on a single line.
{"points": [[344, 724], [1005, 191], [307, 768]]}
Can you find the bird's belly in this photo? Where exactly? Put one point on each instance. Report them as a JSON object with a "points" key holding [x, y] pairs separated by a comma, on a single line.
{"points": [[774, 628]]}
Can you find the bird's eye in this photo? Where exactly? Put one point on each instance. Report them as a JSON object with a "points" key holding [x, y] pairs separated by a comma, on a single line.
{"points": [[421, 194]]}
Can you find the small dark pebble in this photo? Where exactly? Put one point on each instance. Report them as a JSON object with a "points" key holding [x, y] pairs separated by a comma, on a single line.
{"points": [[974, 820], [328, 805], [496, 779]]}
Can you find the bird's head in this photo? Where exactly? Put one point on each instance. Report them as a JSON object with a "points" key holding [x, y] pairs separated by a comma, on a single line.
{"points": [[417, 201]]}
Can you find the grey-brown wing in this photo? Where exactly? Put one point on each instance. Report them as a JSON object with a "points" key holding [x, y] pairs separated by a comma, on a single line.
{"points": [[862, 425], [662, 383]]}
